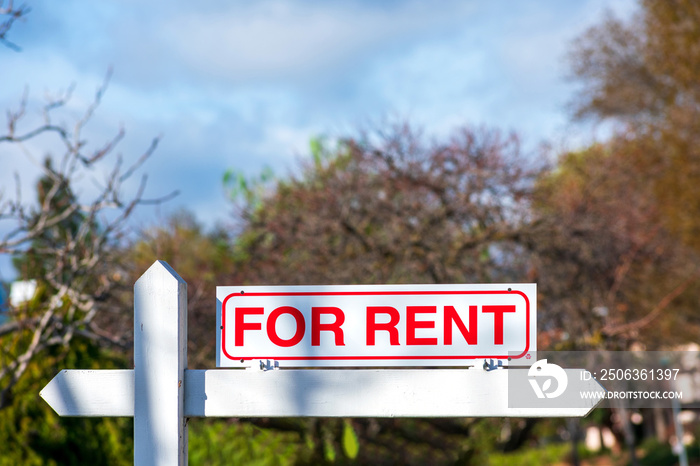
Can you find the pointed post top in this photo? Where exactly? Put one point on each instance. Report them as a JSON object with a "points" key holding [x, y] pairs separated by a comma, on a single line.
{"points": [[163, 269]]}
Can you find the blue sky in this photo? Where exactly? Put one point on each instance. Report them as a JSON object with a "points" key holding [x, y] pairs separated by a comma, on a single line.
{"points": [[233, 84]]}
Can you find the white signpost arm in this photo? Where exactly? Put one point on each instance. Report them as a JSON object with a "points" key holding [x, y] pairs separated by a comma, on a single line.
{"points": [[303, 393], [91, 393], [361, 393], [160, 360]]}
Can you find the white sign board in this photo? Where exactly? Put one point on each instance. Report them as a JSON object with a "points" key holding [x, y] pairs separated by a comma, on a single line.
{"points": [[381, 325]]}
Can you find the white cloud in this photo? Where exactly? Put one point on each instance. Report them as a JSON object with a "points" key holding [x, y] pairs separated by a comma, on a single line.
{"points": [[277, 41]]}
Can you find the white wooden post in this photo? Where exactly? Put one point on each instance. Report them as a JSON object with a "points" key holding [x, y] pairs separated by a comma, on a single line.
{"points": [[160, 357]]}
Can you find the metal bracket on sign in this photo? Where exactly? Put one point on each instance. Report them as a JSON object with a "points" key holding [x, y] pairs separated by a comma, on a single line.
{"points": [[263, 365], [491, 366]]}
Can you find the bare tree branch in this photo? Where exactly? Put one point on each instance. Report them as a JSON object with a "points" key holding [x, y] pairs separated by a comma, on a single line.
{"points": [[661, 306], [10, 14], [68, 243]]}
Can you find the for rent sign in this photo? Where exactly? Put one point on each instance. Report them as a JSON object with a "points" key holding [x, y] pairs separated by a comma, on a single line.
{"points": [[383, 325]]}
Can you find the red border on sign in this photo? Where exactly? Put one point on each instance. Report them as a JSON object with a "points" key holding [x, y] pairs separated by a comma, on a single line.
{"points": [[372, 293]]}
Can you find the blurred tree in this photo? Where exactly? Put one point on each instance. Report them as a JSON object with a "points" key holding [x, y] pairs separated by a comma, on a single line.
{"points": [[387, 207], [628, 211], [645, 76], [203, 259], [609, 273]]}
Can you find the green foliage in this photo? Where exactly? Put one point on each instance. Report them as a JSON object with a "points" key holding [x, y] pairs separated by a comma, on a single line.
{"points": [[351, 445], [328, 451], [239, 187], [227, 442], [655, 453], [318, 150], [550, 454], [325, 154], [31, 433]]}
